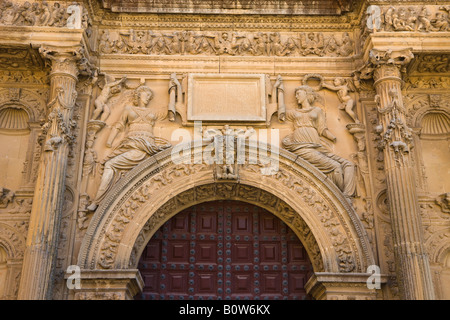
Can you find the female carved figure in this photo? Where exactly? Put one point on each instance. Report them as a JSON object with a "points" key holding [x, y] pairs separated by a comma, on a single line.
{"points": [[139, 144], [309, 126]]}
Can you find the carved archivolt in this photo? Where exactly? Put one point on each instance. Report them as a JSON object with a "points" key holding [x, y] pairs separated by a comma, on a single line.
{"points": [[12, 241], [157, 189], [224, 191], [438, 246]]}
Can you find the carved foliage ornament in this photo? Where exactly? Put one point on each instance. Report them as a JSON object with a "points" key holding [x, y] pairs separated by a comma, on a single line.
{"points": [[206, 192], [127, 211]]}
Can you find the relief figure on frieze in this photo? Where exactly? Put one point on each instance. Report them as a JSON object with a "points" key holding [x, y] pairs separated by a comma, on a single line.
{"points": [[110, 88], [309, 126], [138, 144], [342, 88]]}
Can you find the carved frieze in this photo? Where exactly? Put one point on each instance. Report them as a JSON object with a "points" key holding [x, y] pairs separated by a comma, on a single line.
{"points": [[423, 18], [43, 13], [217, 43], [225, 190], [432, 63], [309, 126], [20, 58], [127, 212], [23, 77], [420, 82]]}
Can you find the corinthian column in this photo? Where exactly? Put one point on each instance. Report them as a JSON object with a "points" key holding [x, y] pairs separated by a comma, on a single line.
{"points": [[412, 262], [42, 240]]}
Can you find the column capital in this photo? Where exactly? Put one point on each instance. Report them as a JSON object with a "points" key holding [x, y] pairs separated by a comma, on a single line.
{"points": [[70, 61], [386, 64]]}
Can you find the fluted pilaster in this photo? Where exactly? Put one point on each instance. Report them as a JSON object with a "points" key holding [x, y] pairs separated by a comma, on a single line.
{"points": [[42, 240], [412, 262]]}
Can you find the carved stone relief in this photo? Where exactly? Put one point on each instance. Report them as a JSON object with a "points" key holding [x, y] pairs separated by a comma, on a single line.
{"points": [[427, 83], [424, 18], [19, 58], [139, 143], [431, 64], [53, 14], [217, 43], [309, 125], [153, 186]]}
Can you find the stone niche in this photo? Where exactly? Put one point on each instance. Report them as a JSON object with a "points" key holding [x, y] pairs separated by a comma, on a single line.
{"points": [[226, 97]]}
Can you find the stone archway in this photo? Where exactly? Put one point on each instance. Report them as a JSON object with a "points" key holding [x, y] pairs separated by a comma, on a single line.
{"points": [[222, 250], [159, 188]]}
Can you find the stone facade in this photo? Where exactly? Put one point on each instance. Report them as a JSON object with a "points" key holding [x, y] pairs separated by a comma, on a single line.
{"points": [[117, 115]]}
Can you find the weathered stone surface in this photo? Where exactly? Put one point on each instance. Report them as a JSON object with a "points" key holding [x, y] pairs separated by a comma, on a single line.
{"points": [[356, 168]]}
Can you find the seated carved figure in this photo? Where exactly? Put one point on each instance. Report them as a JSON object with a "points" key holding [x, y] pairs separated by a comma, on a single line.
{"points": [[139, 144], [309, 125]]}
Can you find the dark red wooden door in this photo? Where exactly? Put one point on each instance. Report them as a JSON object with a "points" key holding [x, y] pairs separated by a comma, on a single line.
{"points": [[224, 250]]}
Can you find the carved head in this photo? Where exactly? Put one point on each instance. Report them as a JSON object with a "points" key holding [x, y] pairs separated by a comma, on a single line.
{"points": [[142, 94], [339, 81], [305, 93]]}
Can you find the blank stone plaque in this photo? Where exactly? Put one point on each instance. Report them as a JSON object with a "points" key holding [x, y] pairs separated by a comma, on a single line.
{"points": [[226, 97]]}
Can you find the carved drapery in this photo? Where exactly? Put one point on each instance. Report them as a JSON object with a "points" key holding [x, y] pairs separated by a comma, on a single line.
{"points": [[157, 189], [57, 133]]}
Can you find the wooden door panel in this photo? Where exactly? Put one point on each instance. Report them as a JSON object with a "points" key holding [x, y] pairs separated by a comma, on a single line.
{"points": [[224, 250]]}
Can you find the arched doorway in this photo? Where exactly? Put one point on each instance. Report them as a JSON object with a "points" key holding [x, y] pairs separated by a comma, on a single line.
{"points": [[159, 188], [224, 250]]}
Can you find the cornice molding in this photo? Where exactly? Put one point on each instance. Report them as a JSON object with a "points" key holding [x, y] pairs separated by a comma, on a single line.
{"points": [[223, 21], [238, 7]]}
